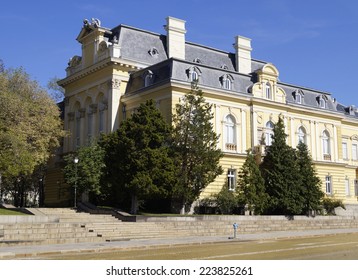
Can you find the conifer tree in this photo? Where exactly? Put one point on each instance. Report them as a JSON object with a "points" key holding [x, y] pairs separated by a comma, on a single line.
{"points": [[137, 156], [195, 146], [280, 171], [251, 186], [310, 181]]}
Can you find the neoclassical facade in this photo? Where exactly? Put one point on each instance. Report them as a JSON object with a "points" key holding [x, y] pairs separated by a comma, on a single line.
{"points": [[122, 67]]}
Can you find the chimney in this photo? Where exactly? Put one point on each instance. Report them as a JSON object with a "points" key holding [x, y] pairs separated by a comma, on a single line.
{"points": [[175, 37], [243, 54]]}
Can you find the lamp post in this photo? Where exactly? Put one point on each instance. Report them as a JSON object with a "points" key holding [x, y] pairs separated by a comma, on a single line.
{"points": [[75, 161]]}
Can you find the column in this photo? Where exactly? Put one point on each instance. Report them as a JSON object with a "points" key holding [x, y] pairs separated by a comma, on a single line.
{"points": [[243, 131]]}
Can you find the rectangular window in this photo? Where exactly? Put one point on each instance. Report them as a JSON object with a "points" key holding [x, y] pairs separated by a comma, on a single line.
{"points": [[348, 191], [89, 126], [356, 187], [231, 179], [345, 150], [101, 122], [328, 185], [354, 151], [78, 132]]}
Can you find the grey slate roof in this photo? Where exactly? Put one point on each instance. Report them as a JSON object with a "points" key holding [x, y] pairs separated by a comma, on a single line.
{"points": [[136, 45]]}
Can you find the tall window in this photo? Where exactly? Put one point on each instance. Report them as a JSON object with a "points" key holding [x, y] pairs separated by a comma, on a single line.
{"points": [[325, 143], [231, 179], [354, 151], [298, 98], [148, 78], [226, 82], [346, 183], [268, 91], [345, 150], [78, 130], [89, 126], [328, 185], [322, 102], [302, 135], [268, 133], [101, 121], [193, 76], [230, 133]]}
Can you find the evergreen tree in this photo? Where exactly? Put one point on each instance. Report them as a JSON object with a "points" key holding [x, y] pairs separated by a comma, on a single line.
{"points": [[195, 146], [226, 200], [88, 171], [137, 156], [251, 186], [310, 181], [280, 171]]}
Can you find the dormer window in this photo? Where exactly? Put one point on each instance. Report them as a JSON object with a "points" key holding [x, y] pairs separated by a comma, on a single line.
{"points": [[224, 66], [322, 101], [298, 96], [197, 60], [153, 52], [226, 81], [193, 74], [148, 78]]}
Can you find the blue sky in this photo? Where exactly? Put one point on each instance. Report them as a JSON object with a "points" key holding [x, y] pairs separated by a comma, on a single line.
{"points": [[312, 43]]}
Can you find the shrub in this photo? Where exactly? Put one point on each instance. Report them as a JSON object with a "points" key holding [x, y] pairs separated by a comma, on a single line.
{"points": [[329, 204], [226, 201]]}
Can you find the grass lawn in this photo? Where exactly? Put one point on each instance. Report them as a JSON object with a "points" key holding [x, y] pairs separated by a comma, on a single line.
{"points": [[10, 212]]}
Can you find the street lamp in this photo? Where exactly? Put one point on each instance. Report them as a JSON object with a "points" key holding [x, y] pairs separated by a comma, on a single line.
{"points": [[75, 161]]}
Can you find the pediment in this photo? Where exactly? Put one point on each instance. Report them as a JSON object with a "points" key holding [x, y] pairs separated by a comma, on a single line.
{"points": [[270, 69]]}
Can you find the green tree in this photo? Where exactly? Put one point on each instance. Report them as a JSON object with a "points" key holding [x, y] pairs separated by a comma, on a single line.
{"points": [[137, 157], [226, 200], [30, 124], [251, 186], [280, 171], [310, 181], [86, 174], [195, 147]]}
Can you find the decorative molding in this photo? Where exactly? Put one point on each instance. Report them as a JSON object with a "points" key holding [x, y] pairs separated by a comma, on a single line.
{"points": [[71, 116], [114, 83], [82, 112], [67, 101]]}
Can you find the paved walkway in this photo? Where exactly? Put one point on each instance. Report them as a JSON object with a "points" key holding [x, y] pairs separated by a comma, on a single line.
{"points": [[13, 252]]}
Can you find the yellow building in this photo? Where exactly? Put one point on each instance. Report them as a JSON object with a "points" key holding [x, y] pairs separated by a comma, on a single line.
{"points": [[122, 67]]}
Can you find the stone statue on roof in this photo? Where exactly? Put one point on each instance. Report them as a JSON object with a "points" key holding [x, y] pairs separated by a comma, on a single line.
{"points": [[95, 22]]}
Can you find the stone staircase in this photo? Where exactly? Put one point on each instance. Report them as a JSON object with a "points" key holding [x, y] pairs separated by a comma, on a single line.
{"points": [[65, 225]]}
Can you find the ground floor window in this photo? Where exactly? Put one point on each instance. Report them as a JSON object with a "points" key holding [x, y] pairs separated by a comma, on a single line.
{"points": [[231, 179], [348, 192], [328, 185]]}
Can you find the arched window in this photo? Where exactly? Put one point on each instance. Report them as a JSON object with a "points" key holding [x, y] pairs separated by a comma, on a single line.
{"points": [[194, 76], [322, 101], [78, 115], [148, 78], [226, 81], [193, 73], [326, 145], [301, 135], [268, 133], [230, 133], [268, 91]]}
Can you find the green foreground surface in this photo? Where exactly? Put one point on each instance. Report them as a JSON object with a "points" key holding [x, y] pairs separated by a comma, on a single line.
{"points": [[327, 247], [10, 212]]}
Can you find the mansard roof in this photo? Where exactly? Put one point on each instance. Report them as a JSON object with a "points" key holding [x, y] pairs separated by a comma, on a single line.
{"points": [[176, 70], [149, 49]]}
